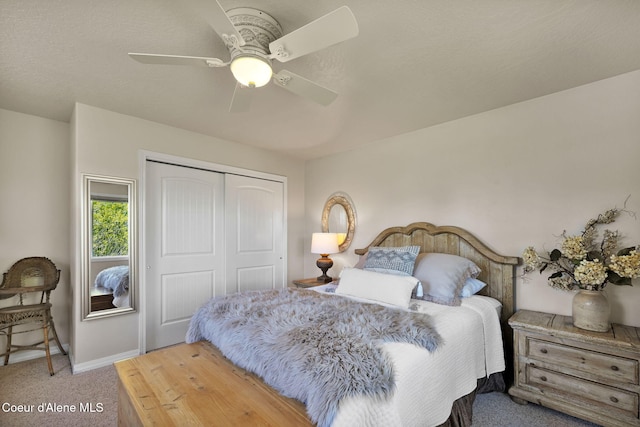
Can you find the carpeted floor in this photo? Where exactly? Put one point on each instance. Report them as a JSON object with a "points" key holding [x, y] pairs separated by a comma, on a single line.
{"points": [[93, 397], [498, 410]]}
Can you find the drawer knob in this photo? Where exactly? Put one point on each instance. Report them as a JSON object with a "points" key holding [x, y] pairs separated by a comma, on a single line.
{"points": [[614, 399], [543, 378], [615, 368], [543, 351]]}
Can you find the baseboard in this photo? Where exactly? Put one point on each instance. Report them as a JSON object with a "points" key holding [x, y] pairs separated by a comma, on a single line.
{"points": [[24, 355], [102, 362]]}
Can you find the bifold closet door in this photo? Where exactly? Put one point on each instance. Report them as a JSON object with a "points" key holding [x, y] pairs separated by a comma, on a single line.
{"points": [[184, 248]]}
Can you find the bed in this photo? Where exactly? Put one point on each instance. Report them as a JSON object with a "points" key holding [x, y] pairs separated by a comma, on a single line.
{"points": [[425, 374], [115, 280]]}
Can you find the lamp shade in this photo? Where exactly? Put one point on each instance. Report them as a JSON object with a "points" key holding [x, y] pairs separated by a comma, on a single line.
{"points": [[251, 71], [324, 243]]}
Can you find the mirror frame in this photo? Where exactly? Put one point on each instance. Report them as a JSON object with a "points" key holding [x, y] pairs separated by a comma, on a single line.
{"points": [[85, 246], [341, 199]]}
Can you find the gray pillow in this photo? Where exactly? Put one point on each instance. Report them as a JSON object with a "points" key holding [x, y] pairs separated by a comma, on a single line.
{"points": [[443, 276]]}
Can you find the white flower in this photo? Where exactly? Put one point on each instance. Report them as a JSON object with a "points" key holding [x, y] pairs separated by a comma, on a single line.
{"points": [[626, 265], [573, 248], [590, 272], [531, 259], [564, 282]]}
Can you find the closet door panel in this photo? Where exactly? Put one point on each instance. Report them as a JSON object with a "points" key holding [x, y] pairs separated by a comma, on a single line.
{"points": [[184, 247], [255, 233]]}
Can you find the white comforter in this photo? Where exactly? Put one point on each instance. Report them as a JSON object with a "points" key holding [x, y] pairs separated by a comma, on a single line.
{"points": [[427, 383]]}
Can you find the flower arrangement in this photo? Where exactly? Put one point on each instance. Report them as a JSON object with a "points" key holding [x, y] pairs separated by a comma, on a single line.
{"points": [[581, 263]]}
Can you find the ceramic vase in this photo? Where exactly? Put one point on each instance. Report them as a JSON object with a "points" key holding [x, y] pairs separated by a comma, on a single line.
{"points": [[591, 311]]}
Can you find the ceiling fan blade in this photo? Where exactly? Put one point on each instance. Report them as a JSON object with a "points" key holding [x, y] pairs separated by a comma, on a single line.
{"points": [[217, 18], [152, 58], [305, 88], [332, 28], [241, 101]]}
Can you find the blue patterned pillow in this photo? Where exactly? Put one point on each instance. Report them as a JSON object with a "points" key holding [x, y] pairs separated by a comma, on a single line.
{"points": [[398, 260]]}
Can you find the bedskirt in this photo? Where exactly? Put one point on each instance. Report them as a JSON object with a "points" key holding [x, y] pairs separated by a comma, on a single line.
{"points": [[462, 411]]}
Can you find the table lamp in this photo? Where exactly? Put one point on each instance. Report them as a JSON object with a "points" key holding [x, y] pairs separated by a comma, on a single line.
{"points": [[324, 244]]}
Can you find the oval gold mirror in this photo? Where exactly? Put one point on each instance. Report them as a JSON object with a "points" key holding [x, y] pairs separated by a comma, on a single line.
{"points": [[339, 216]]}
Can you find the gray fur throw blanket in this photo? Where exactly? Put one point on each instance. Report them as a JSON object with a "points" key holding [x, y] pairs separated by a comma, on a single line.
{"points": [[313, 347], [114, 278]]}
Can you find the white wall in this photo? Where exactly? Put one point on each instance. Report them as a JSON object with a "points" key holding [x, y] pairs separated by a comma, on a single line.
{"points": [[514, 176], [40, 165], [34, 207], [108, 143]]}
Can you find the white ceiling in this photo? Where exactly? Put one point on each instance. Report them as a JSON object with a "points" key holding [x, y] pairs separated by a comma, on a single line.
{"points": [[414, 64]]}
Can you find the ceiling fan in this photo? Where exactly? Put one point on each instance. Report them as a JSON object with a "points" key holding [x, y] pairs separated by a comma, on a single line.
{"points": [[254, 38]]}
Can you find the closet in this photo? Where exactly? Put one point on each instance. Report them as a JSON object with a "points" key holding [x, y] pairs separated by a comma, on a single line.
{"points": [[207, 233]]}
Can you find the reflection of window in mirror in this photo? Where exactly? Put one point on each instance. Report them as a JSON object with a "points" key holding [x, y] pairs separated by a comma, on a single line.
{"points": [[109, 246], [109, 227]]}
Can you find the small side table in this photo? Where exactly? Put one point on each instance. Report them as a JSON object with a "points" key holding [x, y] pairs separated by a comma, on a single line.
{"points": [[308, 283]]}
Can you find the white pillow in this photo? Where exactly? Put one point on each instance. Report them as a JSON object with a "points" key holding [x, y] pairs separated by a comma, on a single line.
{"points": [[386, 288], [471, 287]]}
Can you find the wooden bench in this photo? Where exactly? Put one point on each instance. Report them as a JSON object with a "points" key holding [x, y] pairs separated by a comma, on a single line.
{"points": [[195, 385]]}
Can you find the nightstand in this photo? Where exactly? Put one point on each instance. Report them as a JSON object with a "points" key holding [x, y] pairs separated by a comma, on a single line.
{"points": [[308, 283], [590, 375]]}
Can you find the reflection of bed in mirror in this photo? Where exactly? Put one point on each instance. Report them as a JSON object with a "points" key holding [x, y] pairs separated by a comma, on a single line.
{"points": [[111, 288]]}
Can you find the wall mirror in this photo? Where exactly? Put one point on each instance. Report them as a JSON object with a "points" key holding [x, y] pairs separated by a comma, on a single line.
{"points": [[109, 246], [339, 216]]}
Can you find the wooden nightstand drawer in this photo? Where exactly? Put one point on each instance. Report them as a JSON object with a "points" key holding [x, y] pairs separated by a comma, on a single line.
{"points": [[574, 357], [586, 392]]}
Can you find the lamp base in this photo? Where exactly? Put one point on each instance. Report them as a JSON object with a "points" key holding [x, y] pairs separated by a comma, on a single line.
{"points": [[324, 263], [324, 278]]}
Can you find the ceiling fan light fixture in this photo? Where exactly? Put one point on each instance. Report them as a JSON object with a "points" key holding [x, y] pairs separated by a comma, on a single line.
{"points": [[251, 71]]}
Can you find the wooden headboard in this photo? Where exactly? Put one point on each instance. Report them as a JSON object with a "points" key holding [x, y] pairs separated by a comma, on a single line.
{"points": [[498, 271]]}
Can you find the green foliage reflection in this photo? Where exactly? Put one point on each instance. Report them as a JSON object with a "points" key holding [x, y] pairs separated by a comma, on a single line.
{"points": [[110, 228]]}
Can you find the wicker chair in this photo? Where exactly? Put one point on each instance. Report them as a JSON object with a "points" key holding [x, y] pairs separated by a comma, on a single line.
{"points": [[29, 276]]}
